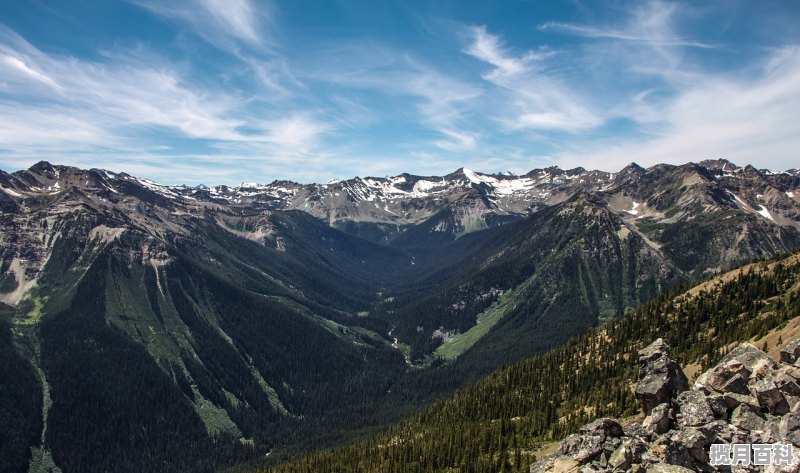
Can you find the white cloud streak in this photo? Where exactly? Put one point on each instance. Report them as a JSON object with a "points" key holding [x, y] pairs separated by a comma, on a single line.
{"points": [[537, 100], [746, 119], [222, 23], [124, 104]]}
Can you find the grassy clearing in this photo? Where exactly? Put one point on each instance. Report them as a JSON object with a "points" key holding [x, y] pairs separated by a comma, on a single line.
{"points": [[487, 319], [32, 310]]}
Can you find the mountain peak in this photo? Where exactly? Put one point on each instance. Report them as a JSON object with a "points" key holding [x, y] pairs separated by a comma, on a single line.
{"points": [[42, 167], [720, 164]]}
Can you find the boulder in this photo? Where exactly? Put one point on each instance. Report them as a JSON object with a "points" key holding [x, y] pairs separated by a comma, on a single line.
{"points": [[693, 409], [660, 377], [790, 352], [789, 428], [769, 396], [659, 419], [607, 427], [746, 418], [750, 357], [718, 405], [733, 400]]}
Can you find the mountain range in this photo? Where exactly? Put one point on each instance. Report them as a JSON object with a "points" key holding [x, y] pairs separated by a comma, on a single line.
{"points": [[143, 323]]}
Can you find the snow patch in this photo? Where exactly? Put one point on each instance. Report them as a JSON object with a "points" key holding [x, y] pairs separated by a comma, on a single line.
{"points": [[633, 210], [11, 192], [765, 213]]}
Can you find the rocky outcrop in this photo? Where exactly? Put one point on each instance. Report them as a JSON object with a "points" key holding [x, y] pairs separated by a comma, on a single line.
{"points": [[660, 377], [747, 398]]}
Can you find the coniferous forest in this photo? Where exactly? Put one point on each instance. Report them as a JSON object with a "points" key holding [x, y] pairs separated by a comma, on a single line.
{"points": [[497, 424]]}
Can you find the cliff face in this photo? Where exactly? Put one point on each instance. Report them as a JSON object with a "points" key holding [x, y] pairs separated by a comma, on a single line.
{"points": [[747, 399]]}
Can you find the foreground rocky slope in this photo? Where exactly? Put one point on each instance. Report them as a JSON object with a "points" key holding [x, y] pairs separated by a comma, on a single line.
{"points": [[747, 398]]}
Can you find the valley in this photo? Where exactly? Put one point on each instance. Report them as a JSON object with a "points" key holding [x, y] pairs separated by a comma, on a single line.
{"points": [[143, 323]]}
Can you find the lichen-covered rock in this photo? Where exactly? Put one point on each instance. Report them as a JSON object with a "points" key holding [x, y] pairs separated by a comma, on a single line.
{"points": [[693, 409], [769, 396], [734, 399], [608, 427], [659, 419], [789, 428], [750, 357], [790, 353], [660, 377], [746, 418]]}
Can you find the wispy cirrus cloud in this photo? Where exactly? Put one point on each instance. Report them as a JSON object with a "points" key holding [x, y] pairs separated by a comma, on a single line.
{"points": [[129, 102], [649, 22], [744, 119], [440, 102], [536, 98], [218, 21]]}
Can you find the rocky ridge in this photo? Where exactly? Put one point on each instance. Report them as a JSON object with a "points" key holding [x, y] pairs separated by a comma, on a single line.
{"points": [[747, 398]]}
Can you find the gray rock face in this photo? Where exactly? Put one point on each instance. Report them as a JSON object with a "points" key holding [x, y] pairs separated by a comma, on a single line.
{"points": [[677, 432], [769, 396], [608, 427], [693, 409], [746, 418], [659, 419], [790, 352], [790, 428], [750, 358], [660, 377]]}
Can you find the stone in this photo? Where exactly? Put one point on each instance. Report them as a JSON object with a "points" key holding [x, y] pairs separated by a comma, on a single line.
{"points": [[746, 418], [718, 405], [718, 431], [695, 441], [750, 358], [620, 459], [728, 377], [628, 453], [789, 428], [608, 427], [769, 396], [659, 419], [734, 399], [786, 381], [664, 468], [790, 353], [693, 408], [660, 377]]}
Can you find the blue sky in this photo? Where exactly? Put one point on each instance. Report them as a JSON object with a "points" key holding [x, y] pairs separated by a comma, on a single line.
{"points": [[224, 91]]}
